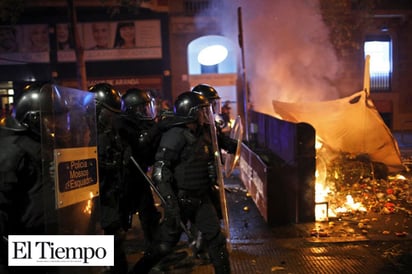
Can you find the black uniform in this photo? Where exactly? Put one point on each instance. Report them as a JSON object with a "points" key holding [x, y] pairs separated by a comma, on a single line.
{"points": [[182, 174], [110, 156], [21, 188], [141, 138]]}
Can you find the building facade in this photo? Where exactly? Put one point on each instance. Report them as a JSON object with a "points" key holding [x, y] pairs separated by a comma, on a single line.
{"points": [[170, 34]]}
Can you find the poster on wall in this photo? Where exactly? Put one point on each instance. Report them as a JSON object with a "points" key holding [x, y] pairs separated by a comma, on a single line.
{"points": [[65, 43], [102, 41], [24, 44], [118, 41]]}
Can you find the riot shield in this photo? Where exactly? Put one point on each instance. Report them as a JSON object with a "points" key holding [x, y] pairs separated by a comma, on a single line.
{"points": [[219, 174], [236, 133], [69, 160]]}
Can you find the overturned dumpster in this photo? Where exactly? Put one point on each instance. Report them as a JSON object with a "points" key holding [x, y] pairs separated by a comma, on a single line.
{"points": [[278, 167], [301, 161]]}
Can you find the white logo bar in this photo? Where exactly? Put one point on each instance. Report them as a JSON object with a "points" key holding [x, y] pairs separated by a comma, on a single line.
{"points": [[61, 250]]}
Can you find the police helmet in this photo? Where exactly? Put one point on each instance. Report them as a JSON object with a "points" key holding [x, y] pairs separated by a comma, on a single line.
{"points": [[38, 98], [11, 123], [206, 90], [139, 102], [188, 104], [211, 94], [106, 97]]}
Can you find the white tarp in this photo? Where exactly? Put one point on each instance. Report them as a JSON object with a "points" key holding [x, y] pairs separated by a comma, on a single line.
{"points": [[349, 125]]}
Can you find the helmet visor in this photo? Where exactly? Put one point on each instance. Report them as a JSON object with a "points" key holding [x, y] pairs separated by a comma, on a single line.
{"points": [[57, 128], [216, 106], [147, 110], [206, 115]]}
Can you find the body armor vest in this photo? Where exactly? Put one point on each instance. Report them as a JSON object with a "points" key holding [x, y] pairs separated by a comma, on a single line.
{"points": [[192, 171]]}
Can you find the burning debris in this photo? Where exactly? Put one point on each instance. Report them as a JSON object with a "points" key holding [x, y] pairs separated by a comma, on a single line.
{"points": [[361, 192]]}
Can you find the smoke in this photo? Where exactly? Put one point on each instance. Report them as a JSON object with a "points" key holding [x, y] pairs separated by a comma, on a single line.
{"points": [[288, 55]]}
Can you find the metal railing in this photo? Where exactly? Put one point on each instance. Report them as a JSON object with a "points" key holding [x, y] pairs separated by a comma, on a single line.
{"points": [[380, 81]]}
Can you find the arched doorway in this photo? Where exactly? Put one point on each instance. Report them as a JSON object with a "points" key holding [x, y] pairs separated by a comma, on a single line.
{"points": [[221, 72]]}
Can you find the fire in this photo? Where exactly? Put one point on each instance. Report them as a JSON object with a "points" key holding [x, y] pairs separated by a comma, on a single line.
{"points": [[328, 201], [350, 206], [89, 206], [349, 184]]}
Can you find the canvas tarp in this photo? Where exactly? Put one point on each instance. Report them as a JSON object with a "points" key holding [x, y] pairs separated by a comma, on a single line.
{"points": [[349, 125]]}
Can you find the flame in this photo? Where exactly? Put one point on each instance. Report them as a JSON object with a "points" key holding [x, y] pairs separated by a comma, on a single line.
{"points": [[327, 203], [321, 189], [89, 205], [350, 206]]}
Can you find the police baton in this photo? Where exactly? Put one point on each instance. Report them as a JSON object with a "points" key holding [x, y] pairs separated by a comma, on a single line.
{"points": [[182, 225]]}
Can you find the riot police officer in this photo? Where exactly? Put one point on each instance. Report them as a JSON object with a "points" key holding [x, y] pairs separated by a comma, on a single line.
{"points": [[140, 135], [26, 193], [110, 157], [182, 175], [224, 141]]}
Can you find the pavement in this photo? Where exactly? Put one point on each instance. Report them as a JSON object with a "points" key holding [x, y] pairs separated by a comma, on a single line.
{"points": [[364, 243]]}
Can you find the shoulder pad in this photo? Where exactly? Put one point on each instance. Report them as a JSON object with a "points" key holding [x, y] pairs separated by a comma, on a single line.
{"points": [[167, 122]]}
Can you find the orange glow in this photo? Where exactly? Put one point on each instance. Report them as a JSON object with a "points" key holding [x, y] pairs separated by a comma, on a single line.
{"points": [[89, 206]]}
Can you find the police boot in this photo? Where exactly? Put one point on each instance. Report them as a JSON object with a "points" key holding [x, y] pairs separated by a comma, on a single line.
{"points": [[150, 258], [120, 258], [219, 256], [221, 262]]}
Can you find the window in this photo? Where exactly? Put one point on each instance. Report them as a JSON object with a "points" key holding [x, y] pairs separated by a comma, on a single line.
{"points": [[6, 98], [379, 48], [209, 69]]}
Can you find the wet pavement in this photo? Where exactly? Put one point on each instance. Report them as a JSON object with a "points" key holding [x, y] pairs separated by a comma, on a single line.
{"points": [[358, 243]]}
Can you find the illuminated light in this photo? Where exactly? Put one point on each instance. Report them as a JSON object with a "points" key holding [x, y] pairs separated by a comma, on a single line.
{"points": [[380, 56], [212, 55]]}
